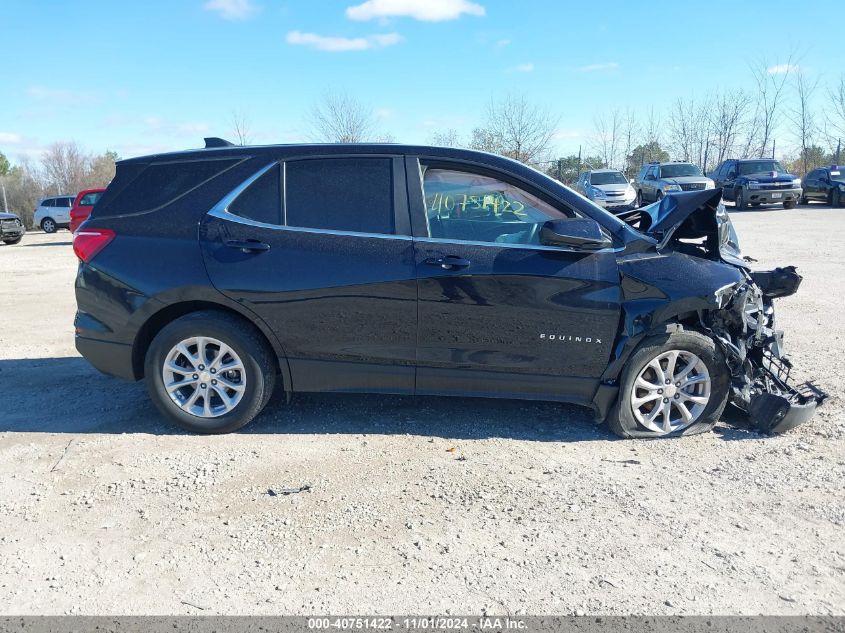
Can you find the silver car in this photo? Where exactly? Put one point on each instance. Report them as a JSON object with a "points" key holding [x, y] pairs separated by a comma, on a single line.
{"points": [[656, 180], [608, 188]]}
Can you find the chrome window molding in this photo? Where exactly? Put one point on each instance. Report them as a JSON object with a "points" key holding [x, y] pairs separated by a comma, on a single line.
{"points": [[530, 247]]}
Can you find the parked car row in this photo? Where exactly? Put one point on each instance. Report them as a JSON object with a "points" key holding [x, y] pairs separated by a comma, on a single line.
{"points": [[65, 212], [745, 182]]}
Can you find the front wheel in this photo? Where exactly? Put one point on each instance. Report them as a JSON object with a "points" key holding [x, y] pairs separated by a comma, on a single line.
{"points": [[674, 384], [210, 372], [837, 199], [13, 241], [789, 204], [739, 200]]}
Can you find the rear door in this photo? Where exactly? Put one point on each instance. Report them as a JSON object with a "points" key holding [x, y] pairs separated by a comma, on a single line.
{"points": [[500, 314], [320, 249], [63, 206]]}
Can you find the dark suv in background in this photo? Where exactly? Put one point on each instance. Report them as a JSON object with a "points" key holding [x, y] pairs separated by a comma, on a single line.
{"points": [[826, 184], [757, 181], [420, 270]]}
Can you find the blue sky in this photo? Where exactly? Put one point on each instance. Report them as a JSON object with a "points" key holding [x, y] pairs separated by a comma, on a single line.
{"points": [[139, 77]]}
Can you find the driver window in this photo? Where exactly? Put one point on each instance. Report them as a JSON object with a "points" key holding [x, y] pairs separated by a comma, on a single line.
{"points": [[463, 206]]}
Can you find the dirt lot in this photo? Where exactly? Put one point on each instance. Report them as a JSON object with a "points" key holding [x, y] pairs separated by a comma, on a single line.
{"points": [[105, 509]]}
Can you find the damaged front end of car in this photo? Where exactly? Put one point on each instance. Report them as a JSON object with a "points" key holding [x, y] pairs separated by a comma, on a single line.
{"points": [[741, 315]]}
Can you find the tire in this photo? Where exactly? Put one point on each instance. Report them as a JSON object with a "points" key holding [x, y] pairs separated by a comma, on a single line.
{"points": [[15, 240], [246, 345], [639, 201], [789, 204], [688, 343], [48, 225], [836, 201], [739, 200], [803, 199], [660, 196], [755, 204]]}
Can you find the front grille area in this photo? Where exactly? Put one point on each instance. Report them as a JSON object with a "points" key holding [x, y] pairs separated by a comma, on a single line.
{"points": [[775, 185], [614, 193], [10, 224], [692, 186]]}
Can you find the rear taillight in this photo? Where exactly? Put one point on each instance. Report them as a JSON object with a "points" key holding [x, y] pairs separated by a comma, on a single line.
{"points": [[87, 243]]}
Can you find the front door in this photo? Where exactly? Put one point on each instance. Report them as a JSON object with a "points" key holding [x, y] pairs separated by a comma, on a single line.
{"points": [[314, 248], [500, 314]]}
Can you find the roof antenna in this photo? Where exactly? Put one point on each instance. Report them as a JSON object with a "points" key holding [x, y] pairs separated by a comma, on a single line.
{"points": [[214, 141]]}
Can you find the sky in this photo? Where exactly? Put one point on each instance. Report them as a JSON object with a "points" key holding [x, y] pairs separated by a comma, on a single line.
{"points": [[144, 77]]}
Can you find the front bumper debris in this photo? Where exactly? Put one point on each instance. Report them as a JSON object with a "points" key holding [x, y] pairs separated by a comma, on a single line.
{"points": [[760, 372]]}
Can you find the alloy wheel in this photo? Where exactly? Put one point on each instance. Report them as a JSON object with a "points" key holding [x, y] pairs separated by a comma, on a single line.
{"points": [[204, 377], [671, 392]]}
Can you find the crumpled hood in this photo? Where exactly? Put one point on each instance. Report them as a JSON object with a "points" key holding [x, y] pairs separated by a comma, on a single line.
{"points": [[8, 216], [694, 215]]}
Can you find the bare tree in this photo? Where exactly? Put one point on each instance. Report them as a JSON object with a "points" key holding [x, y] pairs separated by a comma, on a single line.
{"points": [[241, 128], [607, 136], [341, 118], [803, 117], [517, 129], [728, 119], [770, 82], [446, 138], [630, 136], [64, 168], [101, 171], [689, 130], [835, 123]]}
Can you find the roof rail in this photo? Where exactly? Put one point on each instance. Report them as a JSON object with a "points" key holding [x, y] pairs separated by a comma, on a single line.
{"points": [[214, 141]]}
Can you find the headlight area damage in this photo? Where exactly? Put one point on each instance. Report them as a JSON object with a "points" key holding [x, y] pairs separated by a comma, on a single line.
{"points": [[739, 315]]}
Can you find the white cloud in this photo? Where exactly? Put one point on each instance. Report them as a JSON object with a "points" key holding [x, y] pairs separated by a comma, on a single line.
{"points": [[232, 9], [521, 68], [10, 138], [342, 44], [423, 10], [783, 69], [383, 113], [503, 43], [59, 96], [593, 68]]}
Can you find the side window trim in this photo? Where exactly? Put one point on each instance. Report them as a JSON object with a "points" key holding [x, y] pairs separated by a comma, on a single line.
{"points": [[402, 228]]}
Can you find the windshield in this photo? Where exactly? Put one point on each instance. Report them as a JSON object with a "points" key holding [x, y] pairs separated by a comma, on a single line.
{"points": [[608, 178], [837, 175], [678, 171], [760, 167]]}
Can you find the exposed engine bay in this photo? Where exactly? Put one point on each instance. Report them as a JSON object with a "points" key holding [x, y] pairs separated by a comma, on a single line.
{"points": [[741, 317]]}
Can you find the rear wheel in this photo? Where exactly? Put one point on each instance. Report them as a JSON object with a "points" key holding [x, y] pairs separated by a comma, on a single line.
{"points": [[209, 372], [48, 225], [674, 384]]}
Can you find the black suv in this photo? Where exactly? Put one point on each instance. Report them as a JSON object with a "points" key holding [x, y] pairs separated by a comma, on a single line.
{"points": [[221, 273], [757, 181], [826, 184]]}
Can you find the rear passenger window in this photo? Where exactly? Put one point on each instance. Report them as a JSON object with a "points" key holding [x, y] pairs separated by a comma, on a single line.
{"points": [[262, 200], [90, 199], [340, 194], [50, 202]]}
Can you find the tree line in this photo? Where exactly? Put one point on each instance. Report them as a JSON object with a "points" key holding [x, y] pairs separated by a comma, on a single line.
{"points": [[64, 168]]}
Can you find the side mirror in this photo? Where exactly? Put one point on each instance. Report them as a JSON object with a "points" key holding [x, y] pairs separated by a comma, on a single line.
{"points": [[633, 181], [731, 175], [583, 233]]}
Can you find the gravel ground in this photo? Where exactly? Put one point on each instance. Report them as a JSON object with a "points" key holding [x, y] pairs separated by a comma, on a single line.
{"points": [[427, 505]]}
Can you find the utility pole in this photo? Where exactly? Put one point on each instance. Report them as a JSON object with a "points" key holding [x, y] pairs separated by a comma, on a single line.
{"points": [[579, 160], [560, 170], [838, 149], [774, 144], [6, 203]]}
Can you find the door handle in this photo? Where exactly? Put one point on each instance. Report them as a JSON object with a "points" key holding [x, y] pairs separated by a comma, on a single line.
{"points": [[248, 246], [450, 262]]}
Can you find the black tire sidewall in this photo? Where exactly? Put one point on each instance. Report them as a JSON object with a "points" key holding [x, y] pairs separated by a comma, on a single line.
{"points": [[739, 198], [260, 376], [622, 420], [13, 242]]}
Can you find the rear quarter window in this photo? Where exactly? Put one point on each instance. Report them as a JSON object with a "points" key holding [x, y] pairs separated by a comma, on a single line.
{"points": [[90, 199], [160, 184]]}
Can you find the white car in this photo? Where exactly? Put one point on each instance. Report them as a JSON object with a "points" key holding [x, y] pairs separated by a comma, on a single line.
{"points": [[53, 213], [608, 188]]}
